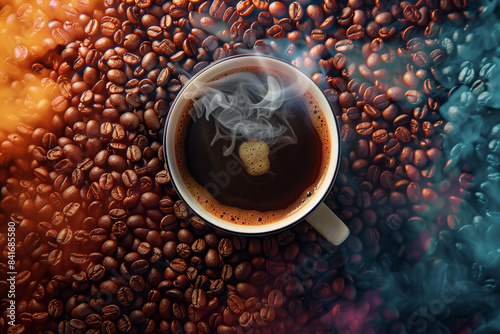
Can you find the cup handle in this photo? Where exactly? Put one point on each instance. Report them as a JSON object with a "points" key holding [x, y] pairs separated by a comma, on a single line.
{"points": [[328, 224]]}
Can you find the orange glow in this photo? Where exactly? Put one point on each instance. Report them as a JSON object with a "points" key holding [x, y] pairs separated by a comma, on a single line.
{"points": [[31, 32]]}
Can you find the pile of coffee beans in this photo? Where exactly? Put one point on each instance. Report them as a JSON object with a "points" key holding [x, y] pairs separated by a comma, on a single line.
{"points": [[103, 242]]}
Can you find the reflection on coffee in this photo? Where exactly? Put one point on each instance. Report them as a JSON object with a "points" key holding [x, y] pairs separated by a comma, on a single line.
{"points": [[252, 145]]}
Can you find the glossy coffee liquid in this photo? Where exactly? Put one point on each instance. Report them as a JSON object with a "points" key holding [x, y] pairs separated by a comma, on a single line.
{"points": [[293, 167], [223, 186]]}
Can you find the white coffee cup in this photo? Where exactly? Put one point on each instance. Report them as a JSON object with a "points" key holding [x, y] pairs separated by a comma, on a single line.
{"points": [[313, 210]]}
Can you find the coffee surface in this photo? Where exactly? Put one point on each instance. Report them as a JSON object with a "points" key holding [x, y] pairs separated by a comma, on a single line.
{"points": [[292, 169], [221, 184]]}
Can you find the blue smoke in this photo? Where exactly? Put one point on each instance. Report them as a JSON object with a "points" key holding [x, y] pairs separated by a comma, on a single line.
{"points": [[455, 284]]}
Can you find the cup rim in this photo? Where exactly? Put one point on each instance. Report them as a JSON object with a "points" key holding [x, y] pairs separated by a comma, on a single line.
{"points": [[264, 229]]}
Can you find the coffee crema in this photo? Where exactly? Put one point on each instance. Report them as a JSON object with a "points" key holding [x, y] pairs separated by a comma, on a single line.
{"points": [[219, 181]]}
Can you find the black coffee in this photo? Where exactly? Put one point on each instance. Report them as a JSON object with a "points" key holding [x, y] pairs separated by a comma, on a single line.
{"points": [[293, 168], [290, 165]]}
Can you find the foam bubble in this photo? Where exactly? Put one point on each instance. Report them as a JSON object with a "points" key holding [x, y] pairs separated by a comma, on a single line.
{"points": [[255, 156]]}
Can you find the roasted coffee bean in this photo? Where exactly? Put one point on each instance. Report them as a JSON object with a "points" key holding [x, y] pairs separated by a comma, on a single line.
{"points": [[183, 250], [392, 147], [137, 283], [276, 298], [345, 19], [275, 267], [181, 210], [189, 48], [186, 236], [130, 178], [401, 120], [236, 304], [150, 200], [111, 312], [419, 158], [406, 155], [144, 249], [164, 47], [123, 324], [191, 273], [96, 272], [412, 172], [199, 246], [227, 272], [318, 35], [230, 16], [119, 229], [380, 136], [427, 128], [381, 102], [421, 59], [346, 196], [397, 199], [134, 153], [117, 163], [242, 271], [355, 32], [55, 308], [360, 166], [244, 7], [276, 31], [199, 299], [373, 60], [267, 313], [81, 311], [402, 134], [253, 304], [139, 266], [295, 306], [179, 310], [364, 129], [347, 100], [217, 9], [106, 181], [371, 111], [212, 258], [116, 76], [93, 321], [126, 160], [339, 61], [373, 173], [178, 265], [246, 319], [225, 247], [315, 12], [413, 192], [249, 37], [386, 179], [165, 307], [76, 325], [137, 316], [295, 11], [344, 46], [117, 214], [210, 43], [413, 97], [246, 290], [285, 238]]}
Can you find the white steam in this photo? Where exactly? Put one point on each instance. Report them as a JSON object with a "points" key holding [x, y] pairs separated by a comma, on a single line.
{"points": [[246, 107]]}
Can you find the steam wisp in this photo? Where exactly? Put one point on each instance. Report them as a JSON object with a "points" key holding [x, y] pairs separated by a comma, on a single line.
{"points": [[246, 107]]}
